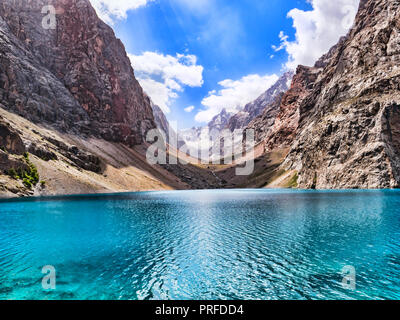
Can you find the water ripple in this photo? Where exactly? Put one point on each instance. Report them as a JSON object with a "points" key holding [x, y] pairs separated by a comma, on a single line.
{"points": [[203, 245]]}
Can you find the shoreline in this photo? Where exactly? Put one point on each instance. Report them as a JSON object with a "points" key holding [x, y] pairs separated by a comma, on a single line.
{"points": [[60, 197]]}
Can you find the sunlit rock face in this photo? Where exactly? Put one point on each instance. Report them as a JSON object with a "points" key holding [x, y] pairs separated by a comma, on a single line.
{"points": [[277, 126], [258, 115], [75, 76], [349, 133], [258, 106], [10, 141]]}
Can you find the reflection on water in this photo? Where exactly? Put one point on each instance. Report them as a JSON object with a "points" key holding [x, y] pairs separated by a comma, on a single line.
{"points": [[239, 244]]}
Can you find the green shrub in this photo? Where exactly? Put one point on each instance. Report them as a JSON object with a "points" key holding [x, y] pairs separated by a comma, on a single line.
{"points": [[12, 173], [27, 183], [34, 175], [293, 182], [30, 177]]}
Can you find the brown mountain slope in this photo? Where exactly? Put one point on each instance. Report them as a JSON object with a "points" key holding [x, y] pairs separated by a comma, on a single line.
{"points": [[70, 95], [349, 129], [69, 164], [76, 77]]}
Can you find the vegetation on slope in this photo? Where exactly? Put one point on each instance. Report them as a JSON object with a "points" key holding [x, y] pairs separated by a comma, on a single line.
{"points": [[29, 176]]}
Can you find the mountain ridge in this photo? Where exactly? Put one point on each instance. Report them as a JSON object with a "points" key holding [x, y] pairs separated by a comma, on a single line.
{"points": [[76, 77], [71, 102], [348, 126], [72, 110]]}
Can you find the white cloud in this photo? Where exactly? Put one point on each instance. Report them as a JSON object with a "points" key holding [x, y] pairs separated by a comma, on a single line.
{"points": [[317, 30], [109, 10], [159, 93], [189, 109], [163, 76], [234, 95]]}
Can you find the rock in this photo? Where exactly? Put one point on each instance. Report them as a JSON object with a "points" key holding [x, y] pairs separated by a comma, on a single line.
{"points": [[78, 157], [277, 126], [220, 121], [41, 152], [76, 78], [73, 149], [258, 106], [349, 124], [8, 162], [163, 125], [10, 140], [263, 124], [284, 129]]}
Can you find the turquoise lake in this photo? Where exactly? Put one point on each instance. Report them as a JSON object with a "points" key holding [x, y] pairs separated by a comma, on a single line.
{"points": [[235, 244]]}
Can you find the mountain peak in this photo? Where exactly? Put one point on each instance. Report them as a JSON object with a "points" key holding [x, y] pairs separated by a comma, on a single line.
{"points": [[257, 107], [348, 134], [76, 77]]}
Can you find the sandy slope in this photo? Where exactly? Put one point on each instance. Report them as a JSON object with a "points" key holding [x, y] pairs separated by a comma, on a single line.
{"points": [[125, 169]]}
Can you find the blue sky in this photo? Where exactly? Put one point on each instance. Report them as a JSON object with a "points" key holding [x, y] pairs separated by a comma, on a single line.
{"points": [[203, 55]]}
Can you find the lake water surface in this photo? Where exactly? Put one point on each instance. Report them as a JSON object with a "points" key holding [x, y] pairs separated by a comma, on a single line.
{"points": [[240, 244]]}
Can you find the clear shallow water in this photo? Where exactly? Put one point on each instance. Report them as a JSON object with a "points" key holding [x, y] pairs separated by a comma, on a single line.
{"points": [[254, 244]]}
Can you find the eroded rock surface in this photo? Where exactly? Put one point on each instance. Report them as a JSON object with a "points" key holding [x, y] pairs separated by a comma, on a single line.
{"points": [[349, 131], [76, 77], [10, 141], [277, 126], [258, 106]]}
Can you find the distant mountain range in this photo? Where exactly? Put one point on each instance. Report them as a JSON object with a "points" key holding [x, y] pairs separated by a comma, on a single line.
{"points": [[200, 138], [234, 121], [256, 107]]}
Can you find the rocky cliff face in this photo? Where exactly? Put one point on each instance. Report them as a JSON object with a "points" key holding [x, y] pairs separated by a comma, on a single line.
{"points": [[278, 124], [165, 127], [10, 141], [76, 77], [349, 129], [220, 121], [160, 120], [263, 124], [258, 106], [284, 129]]}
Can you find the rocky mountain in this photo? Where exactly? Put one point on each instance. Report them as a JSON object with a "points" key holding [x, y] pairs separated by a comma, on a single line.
{"points": [[257, 107], [263, 124], [73, 118], [259, 115], [165, 127], [276, 127], [76, 77], [349, 124], [201, 138], [281, 118], [195, 139], [220, 121], [161, 120]]}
